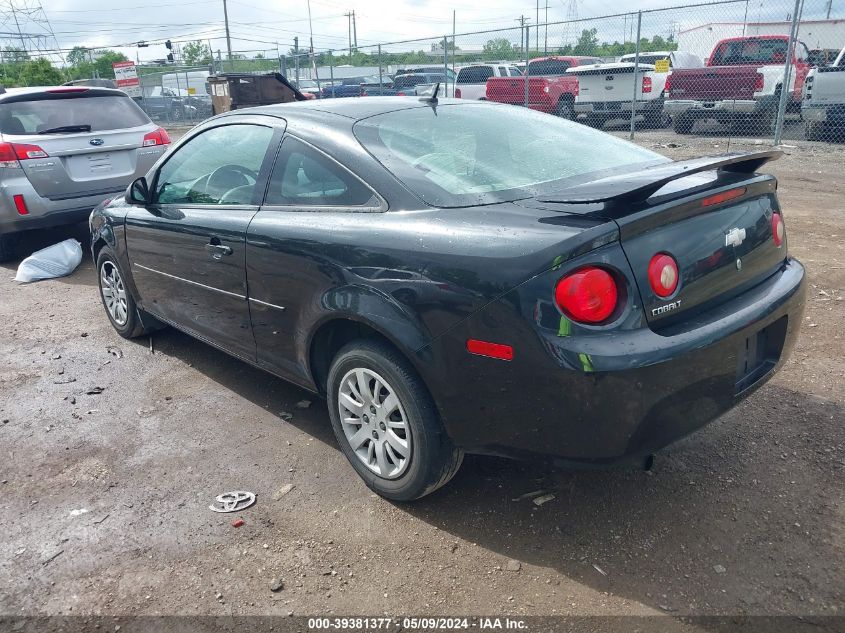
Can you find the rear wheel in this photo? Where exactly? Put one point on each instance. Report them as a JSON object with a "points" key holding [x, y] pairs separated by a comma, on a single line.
{"points": [[117, 300], [8, 242], [683, 124], [565, 110], [657, 118], [815, 131], [386, 423]]}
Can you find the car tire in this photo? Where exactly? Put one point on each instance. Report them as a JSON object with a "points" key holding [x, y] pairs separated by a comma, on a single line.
{"points": [[565, 110], [365, 379], [683, 124], [8, 244], [117, 301]]}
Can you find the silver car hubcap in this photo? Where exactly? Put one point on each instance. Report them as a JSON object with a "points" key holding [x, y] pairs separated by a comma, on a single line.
{"points": [[374, 423], [114, 293]]}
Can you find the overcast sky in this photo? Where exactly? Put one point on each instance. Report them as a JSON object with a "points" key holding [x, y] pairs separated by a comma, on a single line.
{"points": [[257, 25]]}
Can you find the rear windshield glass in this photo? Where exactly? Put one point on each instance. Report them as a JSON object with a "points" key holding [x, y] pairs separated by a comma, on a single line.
{"points": [[475, 74], [471, 154], [750, 51], [548, 67], [101, 113]]}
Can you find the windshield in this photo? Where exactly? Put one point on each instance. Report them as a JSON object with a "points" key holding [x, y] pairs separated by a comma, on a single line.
{"points": [[548, 67], [750, 51], [94, 114], [473, 154]]}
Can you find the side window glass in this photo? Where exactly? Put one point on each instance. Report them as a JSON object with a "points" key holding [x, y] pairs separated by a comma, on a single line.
{"points": [[220, 166], [304, 177]]}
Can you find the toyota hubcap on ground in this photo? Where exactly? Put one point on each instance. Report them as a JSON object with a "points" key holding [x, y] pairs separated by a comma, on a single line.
{"points": [[114, 294], [374, 423]]}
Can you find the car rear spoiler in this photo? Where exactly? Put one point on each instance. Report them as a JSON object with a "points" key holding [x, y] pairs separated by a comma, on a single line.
{"points": [[639, 186]]}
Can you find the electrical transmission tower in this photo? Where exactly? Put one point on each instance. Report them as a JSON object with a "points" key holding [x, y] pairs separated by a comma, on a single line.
{"points": [[24, 27], [570, 29]]}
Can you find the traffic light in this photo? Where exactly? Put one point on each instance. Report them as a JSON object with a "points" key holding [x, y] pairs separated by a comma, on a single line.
{"points": [[170, 57], [168, 45]]}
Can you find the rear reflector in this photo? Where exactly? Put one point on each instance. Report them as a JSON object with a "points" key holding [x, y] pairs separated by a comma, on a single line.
{"points": [[492, 350], [20, 204], [777, 229], [156, 137], [663, 274], [725, 196], [588, 295]]}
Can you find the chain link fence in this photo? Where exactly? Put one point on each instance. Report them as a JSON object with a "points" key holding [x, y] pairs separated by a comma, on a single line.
{"points": [[766, 71]]}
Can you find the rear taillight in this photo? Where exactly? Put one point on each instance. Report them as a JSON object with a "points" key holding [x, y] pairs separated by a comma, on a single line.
{"points": [[11, 153], [20, 204], [758, 82], [663, 274], [576, 89], [778, 230], [457, 93], [400, 94], [588, 295], [66, 89], [646, 84], [156, 137], [667, 87]]}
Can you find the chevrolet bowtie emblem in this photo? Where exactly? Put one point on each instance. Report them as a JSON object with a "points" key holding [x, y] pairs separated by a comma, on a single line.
{"points": [[735, 237]]}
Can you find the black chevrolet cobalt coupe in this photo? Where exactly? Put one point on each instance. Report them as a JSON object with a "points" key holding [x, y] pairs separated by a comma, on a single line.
{"points": [[461, 276]]}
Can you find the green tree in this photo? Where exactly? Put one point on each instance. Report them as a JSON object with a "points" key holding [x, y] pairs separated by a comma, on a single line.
{"points": [[498, 48], [39, 72], [78, 56], [103, 62], [196, 53], [588, 43]]}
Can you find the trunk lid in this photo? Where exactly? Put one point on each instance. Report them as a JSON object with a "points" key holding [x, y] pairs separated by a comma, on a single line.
{"points": [[827, 85], [723, 246], [721, 249], [714, 83], [512, 89], [78, 162]]}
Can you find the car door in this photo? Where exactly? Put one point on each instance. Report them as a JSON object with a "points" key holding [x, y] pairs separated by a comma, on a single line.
{"points": [[187, 248], [309, 193]]}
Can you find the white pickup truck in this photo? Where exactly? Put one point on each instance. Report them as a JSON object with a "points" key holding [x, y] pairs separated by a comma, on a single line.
{"points": [[605, 92], [823, 102]]}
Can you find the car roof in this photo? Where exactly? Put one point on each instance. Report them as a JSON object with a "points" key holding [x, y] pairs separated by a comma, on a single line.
{"points": [[355, 109]]}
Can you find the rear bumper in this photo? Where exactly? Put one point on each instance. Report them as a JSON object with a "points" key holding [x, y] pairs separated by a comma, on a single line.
{"points": [[676, 107], [833, 114], [42, 212], [614, 109], [602, 399]]}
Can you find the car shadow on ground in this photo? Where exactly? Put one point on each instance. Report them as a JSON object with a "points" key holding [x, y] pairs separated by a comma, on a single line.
{"points": [[727, 518]]}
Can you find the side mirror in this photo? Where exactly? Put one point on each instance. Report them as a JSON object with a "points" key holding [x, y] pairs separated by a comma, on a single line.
{"points": [[138, 192]]}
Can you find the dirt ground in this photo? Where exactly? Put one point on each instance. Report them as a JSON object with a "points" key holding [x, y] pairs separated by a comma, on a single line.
{"points": [[104, 496]]}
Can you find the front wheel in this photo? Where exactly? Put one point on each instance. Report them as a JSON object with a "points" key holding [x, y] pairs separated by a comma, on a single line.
{"points": [[117, 300], [386, 423]]}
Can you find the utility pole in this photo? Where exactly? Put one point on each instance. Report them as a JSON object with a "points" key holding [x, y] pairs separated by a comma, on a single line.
{"points": [[546, 31], [537, 22], [313, 58], [829, 7], [228, 36], [354, 30], [349, 23], [296, 57], [454, 48]]}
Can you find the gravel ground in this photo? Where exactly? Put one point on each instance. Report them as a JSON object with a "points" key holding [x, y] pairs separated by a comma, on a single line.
{"points": [[105, 496]]}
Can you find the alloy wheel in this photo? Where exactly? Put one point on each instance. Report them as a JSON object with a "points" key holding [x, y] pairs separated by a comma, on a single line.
{"points": [[374, 423], [114, 293]]}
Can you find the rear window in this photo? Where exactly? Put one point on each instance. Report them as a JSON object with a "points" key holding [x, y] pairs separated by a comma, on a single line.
{"points": [[40, 115], [751, 51], [474, 74], [470, 154], [548, 67]]}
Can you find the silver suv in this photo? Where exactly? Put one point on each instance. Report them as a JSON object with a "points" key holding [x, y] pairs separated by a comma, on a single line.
{"points": [[63, 150]]}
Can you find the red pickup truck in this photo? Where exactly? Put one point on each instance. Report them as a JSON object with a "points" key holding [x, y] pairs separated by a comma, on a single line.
{"points": [[550, 89], [741, 83]]}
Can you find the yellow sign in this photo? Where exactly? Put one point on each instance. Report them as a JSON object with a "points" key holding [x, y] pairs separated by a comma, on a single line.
{"points": [[661, 66], [192, 91]]}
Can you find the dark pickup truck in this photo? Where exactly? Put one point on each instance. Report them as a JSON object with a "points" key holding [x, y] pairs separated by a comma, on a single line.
{"points": [[741, 83]]}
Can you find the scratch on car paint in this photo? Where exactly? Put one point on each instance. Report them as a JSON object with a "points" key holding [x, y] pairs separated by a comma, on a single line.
{"points": [[586, 362]]}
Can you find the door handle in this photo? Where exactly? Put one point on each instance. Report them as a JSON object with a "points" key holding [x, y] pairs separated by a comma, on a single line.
{"points": [[216, 249]]}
